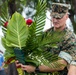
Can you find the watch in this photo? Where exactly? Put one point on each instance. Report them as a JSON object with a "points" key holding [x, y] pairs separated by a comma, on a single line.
{"points": [[37, 69]]}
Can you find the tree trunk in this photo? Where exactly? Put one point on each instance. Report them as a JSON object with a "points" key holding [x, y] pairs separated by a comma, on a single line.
{"points": [[11, 6]]}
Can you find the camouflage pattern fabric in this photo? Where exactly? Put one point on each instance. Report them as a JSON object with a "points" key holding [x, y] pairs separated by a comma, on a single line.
{"points": [[66, 49], [59, 10]]}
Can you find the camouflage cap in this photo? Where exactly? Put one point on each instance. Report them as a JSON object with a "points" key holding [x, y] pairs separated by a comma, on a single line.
{"points": [[59, 10]]}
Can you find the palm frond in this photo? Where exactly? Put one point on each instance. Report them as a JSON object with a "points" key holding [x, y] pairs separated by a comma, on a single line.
{"points": [[51, 39], [31, 39], [37, 27], [40, 16], [4, 17]]}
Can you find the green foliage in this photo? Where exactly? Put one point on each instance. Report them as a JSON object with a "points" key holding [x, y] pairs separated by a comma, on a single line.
{"points": [[9, 51], [4, 13], [31, 39], [36, 28], [19, 35], [51, 39], [4, 16], [17, 31]]}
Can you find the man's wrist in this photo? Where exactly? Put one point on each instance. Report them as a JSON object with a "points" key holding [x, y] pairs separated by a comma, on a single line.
{"points": [[37, 69]]}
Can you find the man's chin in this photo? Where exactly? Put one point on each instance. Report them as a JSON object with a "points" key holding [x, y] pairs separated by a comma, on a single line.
{"points": [[57, 27]]}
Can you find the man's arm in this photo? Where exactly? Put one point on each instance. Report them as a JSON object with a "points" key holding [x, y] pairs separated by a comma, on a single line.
{"points": [[44, 68], [72, 70], [61, 65]]}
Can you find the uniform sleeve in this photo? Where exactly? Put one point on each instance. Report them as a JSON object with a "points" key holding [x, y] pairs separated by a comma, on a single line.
{"points": [[68, 51], [65, 56]]}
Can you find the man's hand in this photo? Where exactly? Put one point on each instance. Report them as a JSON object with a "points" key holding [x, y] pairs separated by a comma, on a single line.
{"points": [[18, 65], [28, 68]]}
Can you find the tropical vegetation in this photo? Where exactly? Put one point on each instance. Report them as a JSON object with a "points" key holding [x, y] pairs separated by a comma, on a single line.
{"points": [[23, 42]]}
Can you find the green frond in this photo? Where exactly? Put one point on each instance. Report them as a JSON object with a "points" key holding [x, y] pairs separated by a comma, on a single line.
{"points": [[9, 51], [40, 16], [37, 27], [4, 16], [30, 39], [4, 12], [41, 6], [51, 39]]}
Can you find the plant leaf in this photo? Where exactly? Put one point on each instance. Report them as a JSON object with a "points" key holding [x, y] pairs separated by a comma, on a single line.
{"points": [[17, 31]]}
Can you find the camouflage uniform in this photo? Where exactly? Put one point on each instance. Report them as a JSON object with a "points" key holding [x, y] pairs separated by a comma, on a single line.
{"points": [[66, 49]]}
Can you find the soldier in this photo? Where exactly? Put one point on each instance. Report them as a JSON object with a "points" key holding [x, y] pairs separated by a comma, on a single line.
{"points": [[66, 48], [48, 23]]}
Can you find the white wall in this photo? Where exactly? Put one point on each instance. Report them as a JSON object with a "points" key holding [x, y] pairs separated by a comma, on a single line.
{"points": [[1, 35]]}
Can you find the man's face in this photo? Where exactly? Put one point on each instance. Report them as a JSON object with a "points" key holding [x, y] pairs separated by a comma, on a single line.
{"points": [[59, 22]]}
